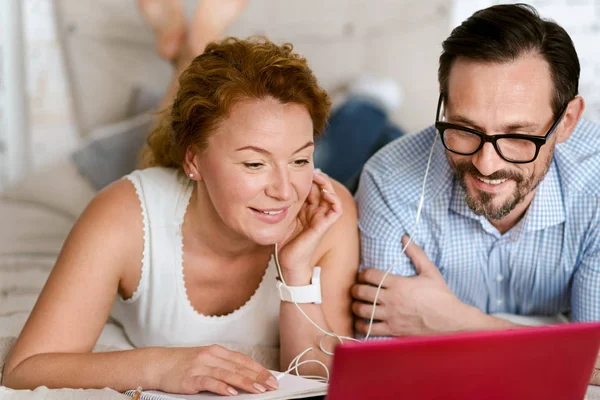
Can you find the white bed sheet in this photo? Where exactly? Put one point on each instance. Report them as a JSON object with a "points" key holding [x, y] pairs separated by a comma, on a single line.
{"points": [[35, 218]]}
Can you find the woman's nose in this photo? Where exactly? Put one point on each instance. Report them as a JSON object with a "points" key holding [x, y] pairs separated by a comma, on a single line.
{"points": [[280, 186]]}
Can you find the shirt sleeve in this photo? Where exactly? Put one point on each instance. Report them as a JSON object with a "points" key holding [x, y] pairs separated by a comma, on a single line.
{"points": [[382, 225], [585, 292]]}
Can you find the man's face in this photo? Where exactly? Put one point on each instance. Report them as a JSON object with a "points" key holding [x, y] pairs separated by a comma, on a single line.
{"points": [[501, 98]]}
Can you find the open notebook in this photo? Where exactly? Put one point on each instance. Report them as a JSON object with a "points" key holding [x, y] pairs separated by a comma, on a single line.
{"points": [[290, 387]]}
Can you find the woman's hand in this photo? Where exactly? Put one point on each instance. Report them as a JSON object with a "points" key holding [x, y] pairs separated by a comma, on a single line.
{"points": [[214, 369], [320, 211]]}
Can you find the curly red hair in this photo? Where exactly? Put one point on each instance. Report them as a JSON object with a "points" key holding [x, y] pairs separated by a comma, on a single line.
{"points": [[227, 72]]}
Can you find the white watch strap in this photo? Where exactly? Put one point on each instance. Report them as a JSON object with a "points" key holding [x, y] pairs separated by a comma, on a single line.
{"points": [[302, 294]]}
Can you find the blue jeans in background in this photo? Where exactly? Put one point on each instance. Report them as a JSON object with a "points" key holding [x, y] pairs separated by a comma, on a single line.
{"points": [[356, 130]]}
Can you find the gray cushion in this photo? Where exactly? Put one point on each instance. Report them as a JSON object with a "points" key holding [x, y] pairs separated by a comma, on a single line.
{"points": [[113, 151]]}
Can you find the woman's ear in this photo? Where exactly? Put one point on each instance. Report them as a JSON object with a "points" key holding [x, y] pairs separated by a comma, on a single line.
{"points": [[191, 164], [571, 117]]}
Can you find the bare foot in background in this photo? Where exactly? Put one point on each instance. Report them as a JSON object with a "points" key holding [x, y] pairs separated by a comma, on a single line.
{"points": [[181, 44], [210, 21], [167, 21]]}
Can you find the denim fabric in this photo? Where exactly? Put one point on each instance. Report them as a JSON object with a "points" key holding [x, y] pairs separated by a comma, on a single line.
{"points": [[356, 130]]}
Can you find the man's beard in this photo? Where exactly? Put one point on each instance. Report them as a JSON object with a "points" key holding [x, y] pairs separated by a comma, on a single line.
{"points": [[483, 204]]}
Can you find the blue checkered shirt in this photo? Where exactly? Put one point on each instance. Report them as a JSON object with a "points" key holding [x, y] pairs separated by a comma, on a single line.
{"points": [[548, 263]]}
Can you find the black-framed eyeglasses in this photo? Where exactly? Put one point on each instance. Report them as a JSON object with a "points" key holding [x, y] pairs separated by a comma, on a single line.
{"points": [[511, 147]]}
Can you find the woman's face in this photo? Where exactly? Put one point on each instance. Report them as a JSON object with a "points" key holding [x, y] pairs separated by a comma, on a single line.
{"points": [[258, 168]]}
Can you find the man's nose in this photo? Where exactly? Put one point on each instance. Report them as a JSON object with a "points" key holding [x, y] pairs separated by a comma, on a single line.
{"points": [[487, 160]]}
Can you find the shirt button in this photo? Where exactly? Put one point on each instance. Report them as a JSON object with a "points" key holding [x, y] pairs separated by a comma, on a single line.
{"points": [[499, 278], [499, 302]]}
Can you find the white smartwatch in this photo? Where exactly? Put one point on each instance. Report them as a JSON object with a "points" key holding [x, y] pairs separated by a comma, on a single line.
{"points": [[302, 294]]}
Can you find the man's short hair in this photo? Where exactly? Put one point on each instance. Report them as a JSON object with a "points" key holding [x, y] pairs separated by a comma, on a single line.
{"points": [[503, 33]]}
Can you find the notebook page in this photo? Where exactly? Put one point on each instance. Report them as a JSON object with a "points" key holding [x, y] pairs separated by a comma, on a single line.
{"points": [[290, 387]]}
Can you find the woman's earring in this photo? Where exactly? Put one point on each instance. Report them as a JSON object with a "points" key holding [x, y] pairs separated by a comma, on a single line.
{"points": [[191, 175]]}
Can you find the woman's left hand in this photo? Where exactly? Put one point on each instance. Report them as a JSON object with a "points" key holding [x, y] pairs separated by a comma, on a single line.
{"points": [[320, 211]]}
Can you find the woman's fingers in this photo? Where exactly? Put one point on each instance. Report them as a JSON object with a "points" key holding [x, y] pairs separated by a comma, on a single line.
{"points": [[240, 362], [322, 181], [330, 204], [314, 196], [248, 376], [226, 378], [322, 206], [206, 383], [334, 202], [233, 368], [224, 371]]}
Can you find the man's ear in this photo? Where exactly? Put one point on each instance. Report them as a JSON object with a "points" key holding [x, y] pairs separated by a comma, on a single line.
{"points": [[191, 164], [570, 119]]}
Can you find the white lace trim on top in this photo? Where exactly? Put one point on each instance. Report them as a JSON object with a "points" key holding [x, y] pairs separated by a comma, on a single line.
{"points": [[145, 261], [181, 211]]}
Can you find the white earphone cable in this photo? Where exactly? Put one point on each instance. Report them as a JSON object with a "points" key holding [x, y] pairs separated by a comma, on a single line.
{"points": [[295, 363], [410, 238]]}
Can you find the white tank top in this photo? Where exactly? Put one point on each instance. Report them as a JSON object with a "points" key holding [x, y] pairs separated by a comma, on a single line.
{"points": [[159, 313]]}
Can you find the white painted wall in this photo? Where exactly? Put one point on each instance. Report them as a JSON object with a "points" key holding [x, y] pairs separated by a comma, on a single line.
{"points": [[52, 120], [37, 122], [14, 132]]}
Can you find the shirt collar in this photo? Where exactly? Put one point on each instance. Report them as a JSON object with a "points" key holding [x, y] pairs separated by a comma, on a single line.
{"points": [[546, 209]]}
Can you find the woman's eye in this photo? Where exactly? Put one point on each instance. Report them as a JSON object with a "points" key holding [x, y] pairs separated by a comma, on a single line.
{"points": [[302, 162], [253, 165]]}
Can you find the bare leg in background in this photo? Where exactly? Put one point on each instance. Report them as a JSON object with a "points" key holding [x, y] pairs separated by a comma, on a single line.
{"points": [[180, 43]]}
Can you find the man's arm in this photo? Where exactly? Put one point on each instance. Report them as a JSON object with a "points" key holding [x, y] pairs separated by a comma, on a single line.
{"points": [[381, 229], [406, 304], [418, 305]]}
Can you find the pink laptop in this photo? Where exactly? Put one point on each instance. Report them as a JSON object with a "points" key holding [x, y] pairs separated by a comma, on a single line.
{"points": [[549, 362]]}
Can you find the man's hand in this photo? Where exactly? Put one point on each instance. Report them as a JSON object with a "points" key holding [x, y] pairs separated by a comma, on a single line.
{"points": [[596, 374], [418, 305]]}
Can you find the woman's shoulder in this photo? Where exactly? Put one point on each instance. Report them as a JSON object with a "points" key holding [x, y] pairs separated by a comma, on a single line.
{"points": [[108, 235], [123, 203], [116, 208], [126, 204]]}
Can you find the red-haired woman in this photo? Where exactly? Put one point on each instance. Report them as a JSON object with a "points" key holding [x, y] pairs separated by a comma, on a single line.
{"points": [[187, 244]]}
